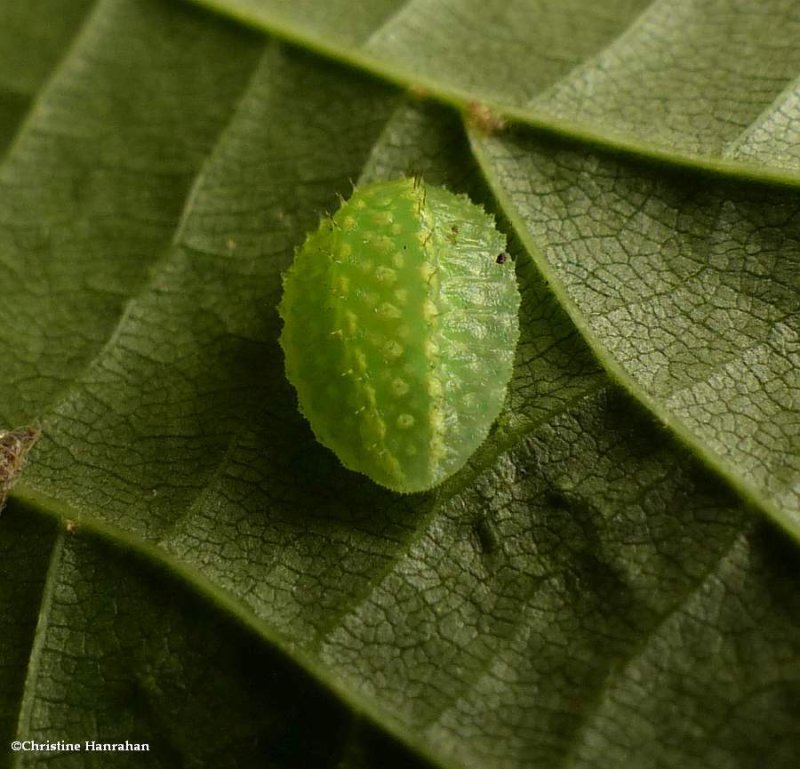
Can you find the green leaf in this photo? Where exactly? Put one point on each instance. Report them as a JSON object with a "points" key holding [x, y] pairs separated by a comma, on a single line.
{"points": [[688, 293], [116, 657], [182, 564], [685, 286], [28, 52], [710, 85]]}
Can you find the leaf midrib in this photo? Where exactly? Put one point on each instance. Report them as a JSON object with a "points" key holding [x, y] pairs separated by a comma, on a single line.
{"points": [[543, 123]]}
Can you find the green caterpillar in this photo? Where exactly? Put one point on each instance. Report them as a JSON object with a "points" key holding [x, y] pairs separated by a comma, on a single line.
{"points": [[400, 324]]}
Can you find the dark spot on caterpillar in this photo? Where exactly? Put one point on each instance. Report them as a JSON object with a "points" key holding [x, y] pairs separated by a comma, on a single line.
{"points": [[503, 257]]}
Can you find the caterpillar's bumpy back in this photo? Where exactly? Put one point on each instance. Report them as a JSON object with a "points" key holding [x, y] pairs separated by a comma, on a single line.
{"points": [[400, 324]]}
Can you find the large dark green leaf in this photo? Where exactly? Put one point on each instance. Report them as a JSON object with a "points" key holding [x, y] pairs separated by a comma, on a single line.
{"points": [[183, 564]]}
